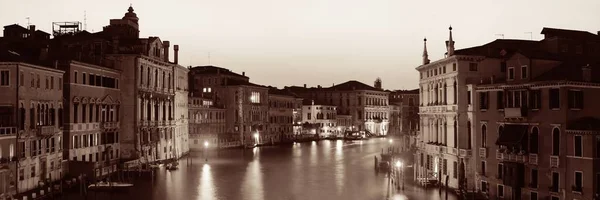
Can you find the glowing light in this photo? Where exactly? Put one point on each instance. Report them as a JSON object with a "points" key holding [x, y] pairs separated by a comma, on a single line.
{"points": [[391, 141], [205, 144], [398, 164], [256, 136]]}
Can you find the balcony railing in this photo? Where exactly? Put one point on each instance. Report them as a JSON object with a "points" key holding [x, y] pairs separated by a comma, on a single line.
{"points": [[533, 159], [483, 152], [8, 131], [465, 152], [46, 130], [515, 112], [576, 188], [109, 125], [554, 161]]}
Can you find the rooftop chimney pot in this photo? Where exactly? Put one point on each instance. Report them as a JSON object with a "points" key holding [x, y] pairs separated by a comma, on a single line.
{"points": [[166, 49], [176, 56]]}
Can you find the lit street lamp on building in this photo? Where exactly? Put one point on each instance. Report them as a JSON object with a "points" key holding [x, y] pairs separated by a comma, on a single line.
{"points": [[400, 171], [205, 149]]}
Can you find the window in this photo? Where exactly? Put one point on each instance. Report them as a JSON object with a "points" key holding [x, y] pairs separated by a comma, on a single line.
{"points": [[511, 73], [75, 77], [455, 170], [52, 82], [524, 72], [469, 97], [500, 191], [468, 135], [445, 167], [32, 80], [83, 77], [444, 69], [38, 80], [578, 181], [255, 97], [473, 67], [483, 135], [500, 172], [32, 171], [578, 146], [554, 98], [4, 78], [534, 178], [555, 182], [21, 79], [483, 100], [453, 66], [575, 99], [60, 84], [500, 100], [21, 174], [533, 196], [533, 141], [482, 168], [503, 66], [555, 142], [484, 186], [75, 113], [535, 99], [455, 134]]}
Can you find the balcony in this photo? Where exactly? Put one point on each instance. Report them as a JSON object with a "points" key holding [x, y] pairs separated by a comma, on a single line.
{"points": [[483, 152], [465, 153], [499, 154], [533, 159], [515, 112], [554, 161], [577, 189], [46, 130], [8, 131], [109, 125]]}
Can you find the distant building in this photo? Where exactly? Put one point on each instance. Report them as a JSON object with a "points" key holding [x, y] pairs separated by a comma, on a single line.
{"points": [[405, 121], [246, 103], [319, 118], [207, 124], [282, 105], [367, 105]]}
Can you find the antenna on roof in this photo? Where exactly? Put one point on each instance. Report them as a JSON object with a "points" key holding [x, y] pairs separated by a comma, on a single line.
{"points": [[500, 35], [530, 35], [84, 20], [27, 22]]}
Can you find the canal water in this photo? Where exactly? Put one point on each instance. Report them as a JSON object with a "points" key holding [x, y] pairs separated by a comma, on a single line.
{"points": [[328, 170]]}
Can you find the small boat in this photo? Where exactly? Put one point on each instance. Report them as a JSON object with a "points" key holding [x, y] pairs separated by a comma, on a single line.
{"points": [[172, 166], [110, 186]]}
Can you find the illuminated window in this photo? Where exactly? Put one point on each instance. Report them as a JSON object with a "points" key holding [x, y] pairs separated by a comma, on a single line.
{"points": [[255, 97]]}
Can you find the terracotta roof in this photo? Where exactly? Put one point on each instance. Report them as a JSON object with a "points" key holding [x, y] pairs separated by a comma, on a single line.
{"points": [[494, 48], [234, 82], [214, 70], [413, 91], [308, 102], [584, 124], [353, 85], [573, 34], [282, 92], [570, 71]]}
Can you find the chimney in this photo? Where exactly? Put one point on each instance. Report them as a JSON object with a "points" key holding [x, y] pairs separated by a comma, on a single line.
{"points": [[598, 32], [166, 45], [31, 31], [44, 53], [586, 73], [318, 86], [243, 73], [304, 85], [176, 56]]}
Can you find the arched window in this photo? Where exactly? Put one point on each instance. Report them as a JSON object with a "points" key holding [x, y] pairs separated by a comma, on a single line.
{"points": [[141, 75], [148, 78], [21, 118], [483, 135], [11, 151], [455, 92], [444, 91], [533, 141], [148, 111], [156, 78], [60, 116], [555, 141], [163, 80]]}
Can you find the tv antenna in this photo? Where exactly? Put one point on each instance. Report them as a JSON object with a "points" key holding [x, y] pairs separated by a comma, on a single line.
{"points": [[84, 20], [530, 35], [28, 24], [502, 35]]}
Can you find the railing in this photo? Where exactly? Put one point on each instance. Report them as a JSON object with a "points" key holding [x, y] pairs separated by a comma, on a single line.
{"points": [[442, 150], [109, 125], [465, 152], [533, 159], [499, 155], [515, 112], [554, 161], [46, 130], [8, 130], [483, 152]]}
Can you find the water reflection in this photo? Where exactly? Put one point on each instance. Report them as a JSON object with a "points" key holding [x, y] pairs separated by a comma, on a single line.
{"points": [[340, 169], [252, 187], [206, 189]]}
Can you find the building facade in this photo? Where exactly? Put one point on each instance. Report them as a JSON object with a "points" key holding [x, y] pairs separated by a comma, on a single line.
{"points": [[181, 114], [282, 104], [319, 119], [32, 112], [207, 124]]}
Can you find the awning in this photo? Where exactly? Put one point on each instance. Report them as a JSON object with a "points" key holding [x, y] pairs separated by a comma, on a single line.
{"points": [[512, 135]]}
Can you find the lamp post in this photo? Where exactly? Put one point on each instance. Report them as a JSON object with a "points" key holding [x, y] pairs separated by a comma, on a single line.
{"points": [[205, 149]]}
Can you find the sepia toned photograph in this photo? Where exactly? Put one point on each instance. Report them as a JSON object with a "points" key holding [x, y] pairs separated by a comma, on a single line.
{"points": [[299, 100]]}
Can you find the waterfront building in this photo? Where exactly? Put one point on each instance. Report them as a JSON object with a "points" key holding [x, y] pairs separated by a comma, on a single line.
{"points": [[405, 112], [31, 115], [181, 115], [246, 103], [367, 105], [282, 104], [207, 124], [319, 118], [536, 127]]}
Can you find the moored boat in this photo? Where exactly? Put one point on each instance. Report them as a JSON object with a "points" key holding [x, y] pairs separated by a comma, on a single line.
{"points": [[110, 186]]}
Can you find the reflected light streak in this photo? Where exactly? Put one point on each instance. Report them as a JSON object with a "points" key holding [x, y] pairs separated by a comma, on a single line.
{"points": [[340, 169], [252, 187], [207, 186]]}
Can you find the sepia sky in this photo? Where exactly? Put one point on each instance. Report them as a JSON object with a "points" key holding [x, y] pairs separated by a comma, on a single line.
{"points": [[295, 42]]}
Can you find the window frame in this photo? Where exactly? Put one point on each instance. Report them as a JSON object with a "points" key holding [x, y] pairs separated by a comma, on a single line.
{"points": [[524, 68], [511, 73], [580, 146]]}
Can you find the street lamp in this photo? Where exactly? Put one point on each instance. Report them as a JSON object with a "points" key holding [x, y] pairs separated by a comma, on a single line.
{"points": [[391, 141], [400, 170], [256, 138], [205, 149]]}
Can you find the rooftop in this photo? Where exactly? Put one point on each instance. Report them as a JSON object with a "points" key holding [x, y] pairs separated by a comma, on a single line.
{"points": [[353, 85], [209, 69]]}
